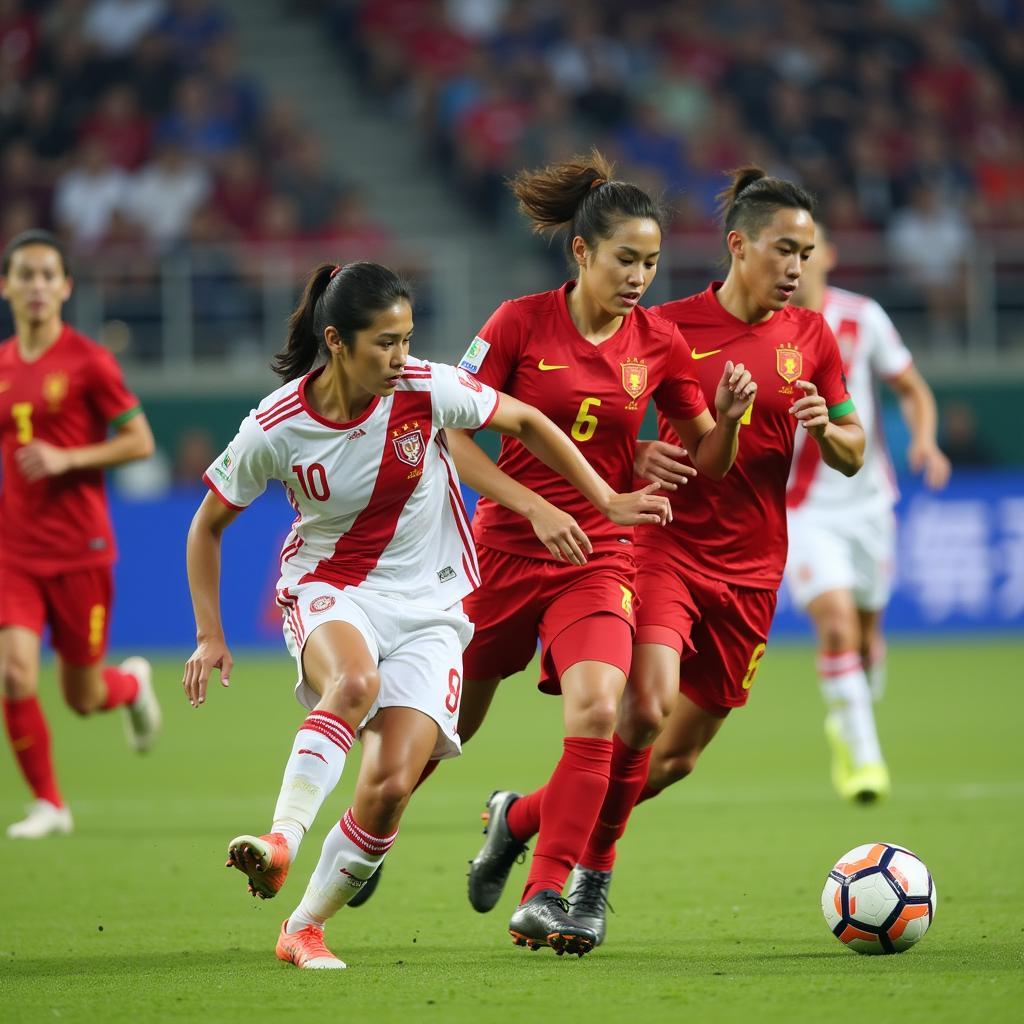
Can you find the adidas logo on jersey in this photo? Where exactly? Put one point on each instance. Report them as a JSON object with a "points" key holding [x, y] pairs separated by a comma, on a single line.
{"points": [[355, 434]]}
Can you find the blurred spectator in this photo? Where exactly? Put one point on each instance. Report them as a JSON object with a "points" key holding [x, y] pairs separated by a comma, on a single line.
{"points": [[196, 123], [41, 123], [351, 232], [236, 95], [88, 194], [304, 178], [119, 125], [959, 438], [154, 73], [114, 27], [167, 192], [19, 36], [191, 26], [21, 183], [240, 191]]}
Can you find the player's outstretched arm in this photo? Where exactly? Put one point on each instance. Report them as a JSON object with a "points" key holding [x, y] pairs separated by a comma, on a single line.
{"points": [[132, 440], [557, 452], [841, 440], [555, 529], [202, 556], [715, 442], [917, 405]]}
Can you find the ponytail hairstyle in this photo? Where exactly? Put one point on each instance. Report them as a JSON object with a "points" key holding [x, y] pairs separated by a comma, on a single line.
{"points": [[580, 197], [753, 198], [346, 298]]}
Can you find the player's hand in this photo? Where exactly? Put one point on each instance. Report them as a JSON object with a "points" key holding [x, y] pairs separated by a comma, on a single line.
{"points": [[560, 534], [927, 459], [735, 392], [210, 654], [811, 410], [643, 506], [38, 460], [660, 461]]}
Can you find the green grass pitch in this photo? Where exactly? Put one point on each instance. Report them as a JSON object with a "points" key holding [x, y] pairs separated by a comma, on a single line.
{"points": [[716, 893]]}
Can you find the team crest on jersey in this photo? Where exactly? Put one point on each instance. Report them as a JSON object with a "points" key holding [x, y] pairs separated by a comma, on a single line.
{"points": [[475, 355], [789, 363], [634, 380], [55, 389], [409, 445], [324, 603], [470, 382]]}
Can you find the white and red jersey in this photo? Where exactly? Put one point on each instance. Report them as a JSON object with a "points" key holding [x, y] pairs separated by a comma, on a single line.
{"points": [[871, 349], [377, 499]]}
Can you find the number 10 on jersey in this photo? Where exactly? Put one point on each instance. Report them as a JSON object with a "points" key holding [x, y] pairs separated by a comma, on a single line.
{"points": [[313, 481]]}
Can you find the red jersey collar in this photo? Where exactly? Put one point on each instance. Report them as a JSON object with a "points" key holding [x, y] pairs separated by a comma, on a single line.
{"points": [[711, 296], [65, 332], [562, 301]]}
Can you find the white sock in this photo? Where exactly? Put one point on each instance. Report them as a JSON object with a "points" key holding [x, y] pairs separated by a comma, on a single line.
{"points": [[844, 687], [349, 857], [313, 770], [875, 667]]}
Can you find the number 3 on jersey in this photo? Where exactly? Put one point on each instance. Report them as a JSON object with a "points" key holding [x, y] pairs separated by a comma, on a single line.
{"points": [[585, 425]]}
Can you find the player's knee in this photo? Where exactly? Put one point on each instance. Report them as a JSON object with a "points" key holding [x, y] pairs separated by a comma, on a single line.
{"points": [[837, 635], [353, 690], [387, 796], [676, 766], [598, 717], [18, 678], [646, 719]]}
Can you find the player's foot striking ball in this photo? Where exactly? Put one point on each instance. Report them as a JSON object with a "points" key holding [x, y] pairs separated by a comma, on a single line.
{"points": [[588, 899], [307, 949], [489, 869], [543, 920], [264, 860]]}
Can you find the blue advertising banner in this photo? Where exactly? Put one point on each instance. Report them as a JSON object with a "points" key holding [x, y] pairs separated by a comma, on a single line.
{"points": [[960, 566]]}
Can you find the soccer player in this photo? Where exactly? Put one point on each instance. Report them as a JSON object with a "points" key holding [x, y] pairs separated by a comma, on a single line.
{"points": [[65, 416], [708, 583], [591, 358], [373, 573], [842, 529]]}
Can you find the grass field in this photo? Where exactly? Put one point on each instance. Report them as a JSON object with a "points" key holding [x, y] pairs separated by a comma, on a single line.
{"points": [[716, 891]]}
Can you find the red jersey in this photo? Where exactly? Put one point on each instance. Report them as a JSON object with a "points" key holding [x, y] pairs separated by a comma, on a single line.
{"points": [[597, 394], [70, 396], [735, 529]]}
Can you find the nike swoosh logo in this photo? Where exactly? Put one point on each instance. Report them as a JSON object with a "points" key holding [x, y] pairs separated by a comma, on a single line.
{"points": [[703, 355], [544, 366]]}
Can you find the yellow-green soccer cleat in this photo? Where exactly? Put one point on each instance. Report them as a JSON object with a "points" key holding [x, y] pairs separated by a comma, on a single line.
{"points": [[842, 762], [868, 783]]}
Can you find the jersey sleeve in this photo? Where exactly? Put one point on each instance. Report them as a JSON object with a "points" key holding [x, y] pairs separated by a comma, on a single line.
{"points": [[460, 400], [889, 355], [829, 378], [239, 475], [493, 354], [679, 395], [108, 391]]}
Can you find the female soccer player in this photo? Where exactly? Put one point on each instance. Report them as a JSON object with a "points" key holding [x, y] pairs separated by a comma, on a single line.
{"points": [[373, 573], [60, 396], [592, 359], [708, 584], [843, 532]]}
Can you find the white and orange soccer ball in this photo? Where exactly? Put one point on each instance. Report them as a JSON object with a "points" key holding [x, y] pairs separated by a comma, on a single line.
{"points": [[879, 898]]}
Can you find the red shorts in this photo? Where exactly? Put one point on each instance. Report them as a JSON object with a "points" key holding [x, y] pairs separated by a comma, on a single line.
{"points": [[720, 630], [75, 605], [522, 599]]}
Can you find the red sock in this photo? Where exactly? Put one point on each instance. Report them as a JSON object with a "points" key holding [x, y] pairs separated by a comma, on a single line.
{"points": [[568, 811], [524, 815], [628, 778], [122, 688], [30, 741], [428, 769]]}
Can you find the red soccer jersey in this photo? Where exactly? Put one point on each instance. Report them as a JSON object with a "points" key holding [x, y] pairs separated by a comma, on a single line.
{"points": [[597, 394], [735, 529], [70, 396]]}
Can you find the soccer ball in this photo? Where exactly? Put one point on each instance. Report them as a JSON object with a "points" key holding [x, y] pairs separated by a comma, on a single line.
{"points": [[879, 898]]}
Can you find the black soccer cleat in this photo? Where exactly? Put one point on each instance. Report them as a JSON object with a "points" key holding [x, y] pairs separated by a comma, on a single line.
{"points": [[543, 920], [588, 899], [362, 895], [489, 869]]}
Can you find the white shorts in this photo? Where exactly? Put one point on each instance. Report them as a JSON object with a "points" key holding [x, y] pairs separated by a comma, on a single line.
{"points": [[841, 552], [418, 650]]}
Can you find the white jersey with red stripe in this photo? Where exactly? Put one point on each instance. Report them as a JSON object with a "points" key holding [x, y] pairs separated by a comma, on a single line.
{"points": [[871, 349], [377, 500]]}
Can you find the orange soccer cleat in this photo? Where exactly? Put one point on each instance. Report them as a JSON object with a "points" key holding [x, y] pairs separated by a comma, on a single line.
{"points": [[264, 860], [306, 948]]}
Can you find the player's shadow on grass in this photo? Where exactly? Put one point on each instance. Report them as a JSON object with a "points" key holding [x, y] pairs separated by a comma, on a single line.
{"points": [[81, 966]]}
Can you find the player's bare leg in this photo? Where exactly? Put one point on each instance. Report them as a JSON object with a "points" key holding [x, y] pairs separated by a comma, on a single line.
{"points": [[89, 689], [339, 668], [873, 651], [858, 770], [29, 735], [646, 704], [396, 746], [686, 735]]}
